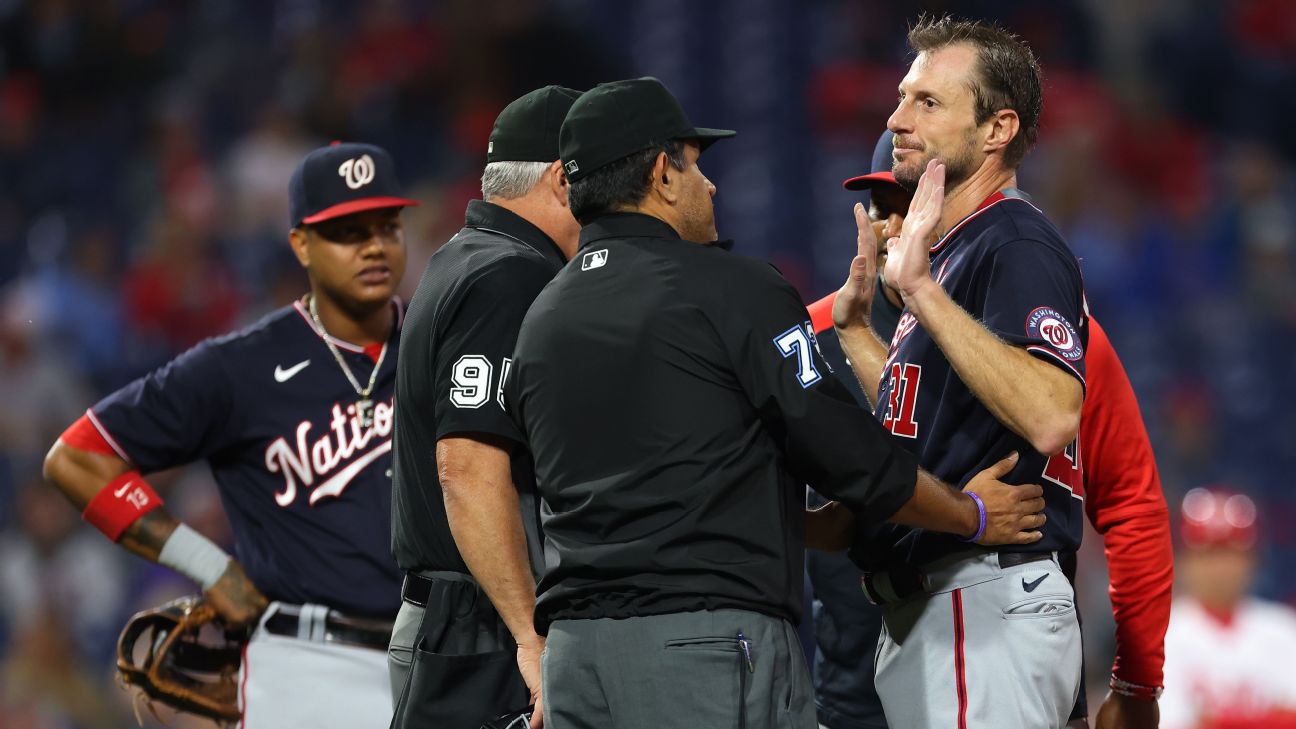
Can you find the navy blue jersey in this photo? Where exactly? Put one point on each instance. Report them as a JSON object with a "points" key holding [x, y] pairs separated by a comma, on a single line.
{"points": [[1008, 267], [306, 488]]}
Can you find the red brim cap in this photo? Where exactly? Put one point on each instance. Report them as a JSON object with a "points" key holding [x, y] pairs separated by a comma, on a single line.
{"points": [[869, 181], [359, 206]]}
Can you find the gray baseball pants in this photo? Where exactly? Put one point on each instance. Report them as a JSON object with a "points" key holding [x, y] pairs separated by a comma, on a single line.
{"points": [[983, 647], [687, 670]]}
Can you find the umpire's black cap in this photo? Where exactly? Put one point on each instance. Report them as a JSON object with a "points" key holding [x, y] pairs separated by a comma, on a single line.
{"points": [[527, 129], [341, 179], [617, 119]]}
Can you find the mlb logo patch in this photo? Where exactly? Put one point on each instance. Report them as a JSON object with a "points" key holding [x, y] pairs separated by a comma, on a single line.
{"points": [[571, 167], [594, 259]]}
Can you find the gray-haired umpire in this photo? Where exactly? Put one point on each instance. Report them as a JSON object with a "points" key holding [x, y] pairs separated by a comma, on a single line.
{"points": [[676, 405], [464, 510]]}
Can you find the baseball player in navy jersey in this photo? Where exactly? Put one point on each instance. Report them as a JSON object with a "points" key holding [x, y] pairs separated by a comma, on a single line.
{"points": [[987, 359], [1123, 501], [294, 416]]}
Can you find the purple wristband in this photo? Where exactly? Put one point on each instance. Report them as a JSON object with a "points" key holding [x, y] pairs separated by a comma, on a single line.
{"points": [[980, 532]]}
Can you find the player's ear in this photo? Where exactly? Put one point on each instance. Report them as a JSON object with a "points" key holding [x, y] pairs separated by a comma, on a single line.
{"points": [[297, 239], [557, 180], [665, 178], [1001, 128]]}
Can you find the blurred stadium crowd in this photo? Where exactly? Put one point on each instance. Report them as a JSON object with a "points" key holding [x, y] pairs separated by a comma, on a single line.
{"points": [[145, 148]]}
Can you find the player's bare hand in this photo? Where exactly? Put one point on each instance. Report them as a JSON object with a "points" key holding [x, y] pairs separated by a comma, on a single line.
{"points": [[829, 528], [854, 300], [908, 263], [528, 659], [1013, 512], [1126, 712], [236, 599]]}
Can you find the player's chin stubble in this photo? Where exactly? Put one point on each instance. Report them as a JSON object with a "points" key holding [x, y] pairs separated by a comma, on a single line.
{"points": [[957, 170], [907, 175]]}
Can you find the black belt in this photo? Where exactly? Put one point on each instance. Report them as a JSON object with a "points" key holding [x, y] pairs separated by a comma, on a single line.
{"points": [[1013, 559], [337, 628], [907, 580], [418, 585]]}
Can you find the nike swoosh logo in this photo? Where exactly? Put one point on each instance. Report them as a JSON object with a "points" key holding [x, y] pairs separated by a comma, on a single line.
{"points": [[283, 375], [1030, 586], [125, 487]]}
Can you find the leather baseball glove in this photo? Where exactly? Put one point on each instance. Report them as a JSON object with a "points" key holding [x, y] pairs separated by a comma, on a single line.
{"points": [[181, 655]]}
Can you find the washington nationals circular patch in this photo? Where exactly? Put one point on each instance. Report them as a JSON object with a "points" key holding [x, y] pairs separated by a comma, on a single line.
{"points": [[1047, 324]]}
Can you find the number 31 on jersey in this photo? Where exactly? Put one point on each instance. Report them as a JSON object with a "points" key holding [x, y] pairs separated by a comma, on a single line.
{"points": [[903, 399]]}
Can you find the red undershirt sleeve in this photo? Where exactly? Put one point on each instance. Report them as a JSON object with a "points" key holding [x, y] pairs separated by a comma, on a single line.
{"points": [[1125, 504]]}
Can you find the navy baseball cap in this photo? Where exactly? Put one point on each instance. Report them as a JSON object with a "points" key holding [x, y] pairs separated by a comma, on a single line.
{"points": [[880, 172], [614, 120], [341, 179]]}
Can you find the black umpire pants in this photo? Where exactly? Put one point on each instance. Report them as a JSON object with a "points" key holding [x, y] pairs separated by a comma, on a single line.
{"points": [[463, 661]]}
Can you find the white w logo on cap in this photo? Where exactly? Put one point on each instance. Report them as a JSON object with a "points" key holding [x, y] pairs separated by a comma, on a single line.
{"points": [[357, 172]]}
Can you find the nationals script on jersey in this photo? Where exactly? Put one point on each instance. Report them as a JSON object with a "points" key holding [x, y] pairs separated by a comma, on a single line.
{"points": [[1235, 669], [306, 487]]}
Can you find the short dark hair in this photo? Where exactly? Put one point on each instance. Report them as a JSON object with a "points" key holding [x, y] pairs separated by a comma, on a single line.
{"points": [[1007, 74], [621, 183]]}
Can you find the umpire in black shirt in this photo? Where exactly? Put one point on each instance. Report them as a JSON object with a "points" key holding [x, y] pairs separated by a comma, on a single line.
{"points": [[676, 405], [463, 504]]}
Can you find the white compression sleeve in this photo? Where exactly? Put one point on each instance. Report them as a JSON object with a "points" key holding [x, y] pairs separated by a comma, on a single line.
{"points": [[194, 556]]}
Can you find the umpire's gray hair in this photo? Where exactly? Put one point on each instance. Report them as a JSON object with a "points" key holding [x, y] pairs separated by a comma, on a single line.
{"points": [[510, 180]]}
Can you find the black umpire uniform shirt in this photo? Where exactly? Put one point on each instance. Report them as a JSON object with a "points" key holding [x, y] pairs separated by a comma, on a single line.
{"points": [[676, 405], [457, 339]]}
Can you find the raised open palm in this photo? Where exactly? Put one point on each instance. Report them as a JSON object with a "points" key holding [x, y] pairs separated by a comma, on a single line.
{"points": [[908, 263], [855, 298]]}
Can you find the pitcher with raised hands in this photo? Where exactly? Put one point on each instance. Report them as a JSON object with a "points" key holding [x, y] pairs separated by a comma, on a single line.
{"points": [[987, 359]]}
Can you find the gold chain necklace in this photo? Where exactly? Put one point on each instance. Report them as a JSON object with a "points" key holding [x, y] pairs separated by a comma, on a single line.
{"points": [[363, 406]]}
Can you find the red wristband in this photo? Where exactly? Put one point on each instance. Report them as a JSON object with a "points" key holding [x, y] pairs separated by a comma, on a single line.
{"points": [[120, 503]]}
